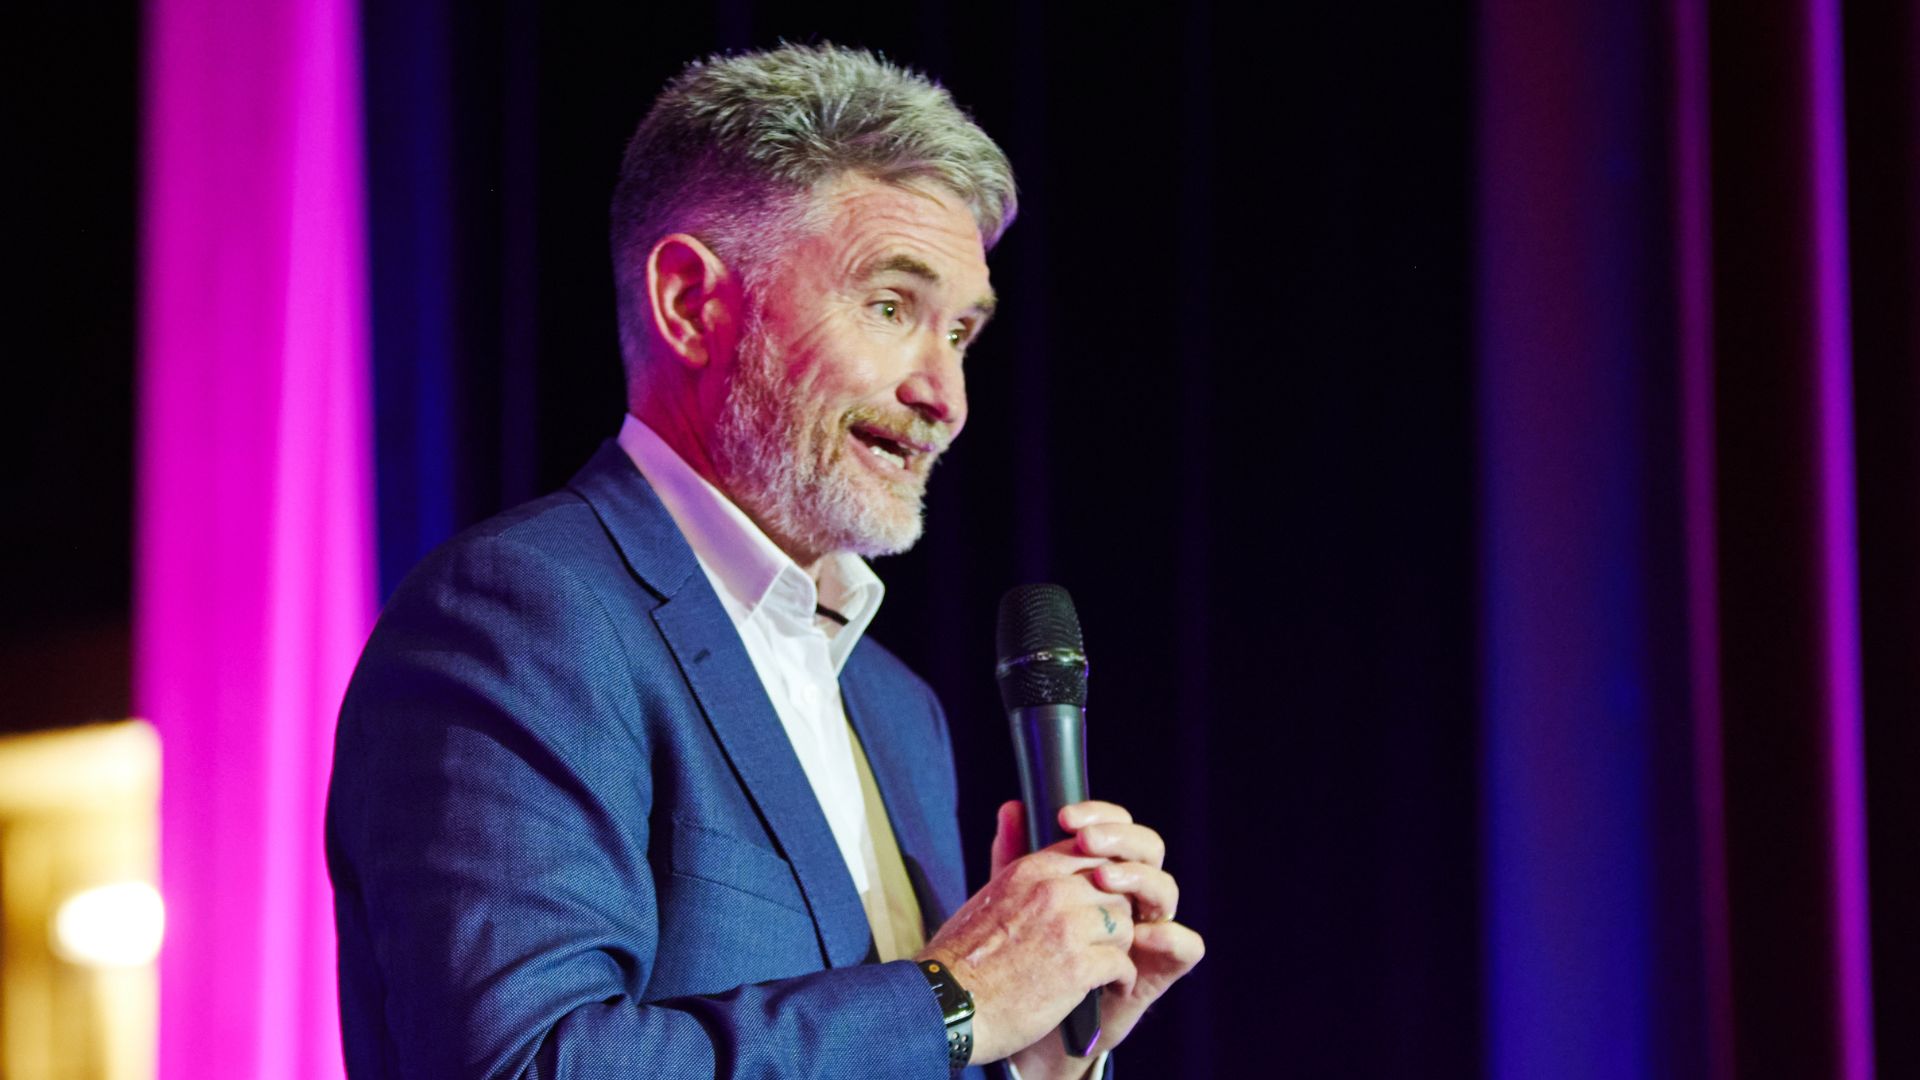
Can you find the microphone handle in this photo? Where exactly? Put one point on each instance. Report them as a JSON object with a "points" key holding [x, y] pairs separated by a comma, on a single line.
{"points": [[1050, 743]]}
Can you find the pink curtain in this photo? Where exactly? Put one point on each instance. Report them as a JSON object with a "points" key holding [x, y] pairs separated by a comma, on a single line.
{"points": [[254, 572]]}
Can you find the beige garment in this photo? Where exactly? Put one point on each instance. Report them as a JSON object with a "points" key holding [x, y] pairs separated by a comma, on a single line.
{"points": [[892, 910]]}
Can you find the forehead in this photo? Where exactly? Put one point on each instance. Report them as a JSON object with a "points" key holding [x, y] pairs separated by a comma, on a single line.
{"points": [[867, 225]]}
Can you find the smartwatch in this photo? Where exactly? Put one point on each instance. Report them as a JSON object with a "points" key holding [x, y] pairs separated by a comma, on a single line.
{"points": [[956, 1008]]}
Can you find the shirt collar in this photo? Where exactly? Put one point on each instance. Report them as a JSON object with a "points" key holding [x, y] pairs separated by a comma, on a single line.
{"points": [[746, 567]]}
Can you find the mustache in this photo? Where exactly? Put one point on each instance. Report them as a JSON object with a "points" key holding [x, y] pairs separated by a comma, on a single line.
{"points": [[904, 427]]}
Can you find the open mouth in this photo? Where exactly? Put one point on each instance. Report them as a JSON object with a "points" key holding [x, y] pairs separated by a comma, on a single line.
{"points": [[888, 447]]}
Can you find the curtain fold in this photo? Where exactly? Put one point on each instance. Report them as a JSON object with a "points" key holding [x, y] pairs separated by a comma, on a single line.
{"points": [[1788, 621], [1882, 92], [1672, 270], [254, 570]]}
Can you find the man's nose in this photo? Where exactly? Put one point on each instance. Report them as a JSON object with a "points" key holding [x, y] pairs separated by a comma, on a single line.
{"points": [[936, 388]]}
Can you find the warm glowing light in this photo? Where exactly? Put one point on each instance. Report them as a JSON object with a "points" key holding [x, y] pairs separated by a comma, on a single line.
{"points": [[117, 925]]}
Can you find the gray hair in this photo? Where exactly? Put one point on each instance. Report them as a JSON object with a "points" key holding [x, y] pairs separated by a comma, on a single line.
{"points": [[735, 146]]}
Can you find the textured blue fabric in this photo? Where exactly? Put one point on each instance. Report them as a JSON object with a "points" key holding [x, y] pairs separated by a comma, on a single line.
{"points": [[568, 835]]}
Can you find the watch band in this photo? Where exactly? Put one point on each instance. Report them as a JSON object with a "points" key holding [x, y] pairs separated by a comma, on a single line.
{"points": [[956, 1009]]}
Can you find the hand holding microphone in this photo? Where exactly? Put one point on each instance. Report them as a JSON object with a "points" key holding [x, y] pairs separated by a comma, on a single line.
{"points": [[1078, 900], [1043, 685]]}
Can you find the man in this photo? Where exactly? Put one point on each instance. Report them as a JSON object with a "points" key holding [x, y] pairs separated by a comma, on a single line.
{"points": [[620, 788]]}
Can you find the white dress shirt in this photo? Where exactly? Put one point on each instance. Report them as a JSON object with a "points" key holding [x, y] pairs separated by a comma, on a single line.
{"points": [[798, 655]]}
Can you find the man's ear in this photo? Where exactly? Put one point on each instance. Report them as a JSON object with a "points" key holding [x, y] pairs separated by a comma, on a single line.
{"points": [[693, 299]]}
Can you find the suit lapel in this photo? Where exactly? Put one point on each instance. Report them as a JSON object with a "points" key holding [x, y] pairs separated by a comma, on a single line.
{"points": [[709, 652]]}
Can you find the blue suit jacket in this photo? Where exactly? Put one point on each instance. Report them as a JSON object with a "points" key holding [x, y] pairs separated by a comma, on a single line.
{"points": [[568, 835]]}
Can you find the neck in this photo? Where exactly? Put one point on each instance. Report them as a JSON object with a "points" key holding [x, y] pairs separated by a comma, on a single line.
{"points": [[681, 430]]}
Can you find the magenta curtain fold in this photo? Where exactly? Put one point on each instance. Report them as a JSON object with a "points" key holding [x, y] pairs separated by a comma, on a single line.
{"points": [[254, 587], [1788, 623]]}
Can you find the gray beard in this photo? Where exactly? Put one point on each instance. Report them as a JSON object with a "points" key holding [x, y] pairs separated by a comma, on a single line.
{"points": [[785, 468]]}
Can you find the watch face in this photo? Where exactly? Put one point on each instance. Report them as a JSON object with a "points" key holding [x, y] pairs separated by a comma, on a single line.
{"points": [[956, 1009], [956, 1003]]}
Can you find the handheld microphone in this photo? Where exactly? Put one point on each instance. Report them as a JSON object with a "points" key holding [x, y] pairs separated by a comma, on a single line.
{"points": [[1043, 685]]}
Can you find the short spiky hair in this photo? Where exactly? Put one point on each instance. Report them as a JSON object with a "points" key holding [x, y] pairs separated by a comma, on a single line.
{"points": [[735, 146]]}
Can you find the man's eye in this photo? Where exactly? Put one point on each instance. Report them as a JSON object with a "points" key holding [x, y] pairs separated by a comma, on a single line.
{"points": [[888, 309], [956, 338]]}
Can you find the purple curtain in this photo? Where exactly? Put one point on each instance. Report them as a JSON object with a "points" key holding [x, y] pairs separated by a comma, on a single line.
{"points": [[1698, 399], [254, 567]]}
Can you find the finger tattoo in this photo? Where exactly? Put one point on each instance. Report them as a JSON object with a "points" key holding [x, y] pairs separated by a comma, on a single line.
{"points": [[1108, 919]]}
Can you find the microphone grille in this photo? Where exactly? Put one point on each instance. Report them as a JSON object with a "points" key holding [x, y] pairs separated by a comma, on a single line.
{"points": [[1039, 619]]}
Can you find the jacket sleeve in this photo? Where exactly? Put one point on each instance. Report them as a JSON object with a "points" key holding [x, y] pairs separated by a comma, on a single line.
{"points": [[488, 829]]}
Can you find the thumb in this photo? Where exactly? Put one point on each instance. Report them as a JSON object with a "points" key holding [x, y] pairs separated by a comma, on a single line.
{"points": [[1010, 835]]}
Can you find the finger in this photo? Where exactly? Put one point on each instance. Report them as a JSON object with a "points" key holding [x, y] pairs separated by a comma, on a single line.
{"points": [[1167, 947], [1068, 851], [1059, 861], [1115, 926], [1122, 977], [1009, 835], [1124, 841], [1077, 816], [1155, 894]]}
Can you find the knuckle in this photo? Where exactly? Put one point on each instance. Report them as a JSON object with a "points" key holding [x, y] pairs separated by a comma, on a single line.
{"points": [[1026, 870], [1051, 892]]}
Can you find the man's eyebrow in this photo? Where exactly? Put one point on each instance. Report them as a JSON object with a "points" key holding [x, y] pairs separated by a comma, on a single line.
{"points": [[901, 263], [913, 266]]}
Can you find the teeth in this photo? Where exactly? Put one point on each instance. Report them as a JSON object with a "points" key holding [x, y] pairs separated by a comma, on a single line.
{"points": [[887, 455]]}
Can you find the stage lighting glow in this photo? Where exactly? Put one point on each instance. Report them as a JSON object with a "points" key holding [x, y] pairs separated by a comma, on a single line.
{"points": [[118, 925]]}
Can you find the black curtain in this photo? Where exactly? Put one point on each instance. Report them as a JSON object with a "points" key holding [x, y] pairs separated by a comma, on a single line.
{"points": [[1227, 404]]}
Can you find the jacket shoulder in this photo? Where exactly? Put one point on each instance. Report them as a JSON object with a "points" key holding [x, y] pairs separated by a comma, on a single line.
{"points": [[559, 527]]}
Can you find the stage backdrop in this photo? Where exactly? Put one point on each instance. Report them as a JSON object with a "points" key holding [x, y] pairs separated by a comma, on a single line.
{"points": [[1482, 444]]}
